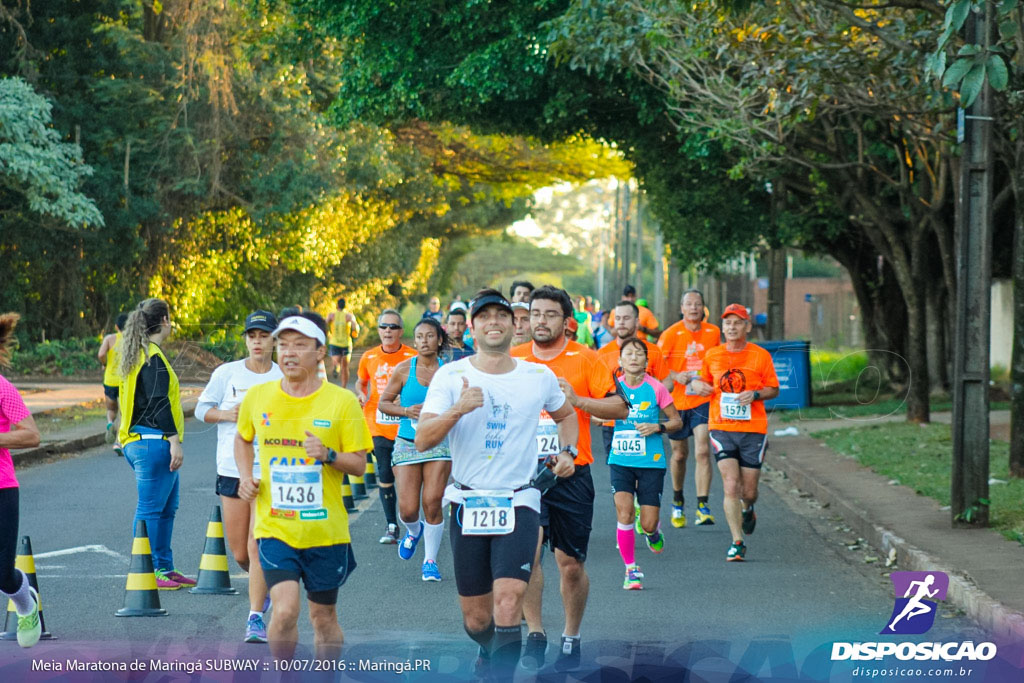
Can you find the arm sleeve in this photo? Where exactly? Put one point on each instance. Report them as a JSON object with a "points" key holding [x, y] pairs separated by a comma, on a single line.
{"points": [[599, 379], [213, 394], [355, 434], [439, 394], [364, 369], [246, 424], [659, 366], [12, 405], [661, 394], [155, 410], [554, 396]]}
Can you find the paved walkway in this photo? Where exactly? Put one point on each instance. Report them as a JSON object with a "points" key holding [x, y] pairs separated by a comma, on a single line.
{"points": [[986, 570]]}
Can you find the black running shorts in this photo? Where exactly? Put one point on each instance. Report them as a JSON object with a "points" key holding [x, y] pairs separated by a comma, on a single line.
{"points": [[567, 513], [479, 560], [646, 483]]}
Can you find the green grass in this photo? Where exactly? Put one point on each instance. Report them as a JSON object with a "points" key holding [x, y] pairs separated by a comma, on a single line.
{"points": [[55, 420], [920, 456]]}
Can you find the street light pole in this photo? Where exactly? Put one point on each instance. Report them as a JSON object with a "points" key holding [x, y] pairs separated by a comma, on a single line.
{"points": [[969, 480]]}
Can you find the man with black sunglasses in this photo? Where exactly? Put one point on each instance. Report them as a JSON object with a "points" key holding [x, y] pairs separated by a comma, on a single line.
{"points": [[375, 368]]}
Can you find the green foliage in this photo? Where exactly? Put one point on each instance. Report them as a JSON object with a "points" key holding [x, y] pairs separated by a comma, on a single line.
{"points": [[35, 164], [57, 357]]}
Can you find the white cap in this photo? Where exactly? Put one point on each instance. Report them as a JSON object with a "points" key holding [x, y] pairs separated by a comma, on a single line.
{"points": [[303, 326], [458, 306]]}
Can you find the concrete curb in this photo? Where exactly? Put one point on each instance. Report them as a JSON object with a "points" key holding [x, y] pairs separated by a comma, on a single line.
{"points": [[32, 456], [963, 592]]}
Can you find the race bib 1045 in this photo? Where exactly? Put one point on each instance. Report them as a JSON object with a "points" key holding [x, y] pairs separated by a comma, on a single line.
{"points": [[629, 442]]}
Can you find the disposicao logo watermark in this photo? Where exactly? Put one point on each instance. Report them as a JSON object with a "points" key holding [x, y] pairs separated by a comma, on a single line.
{"points": [[917, 597]]}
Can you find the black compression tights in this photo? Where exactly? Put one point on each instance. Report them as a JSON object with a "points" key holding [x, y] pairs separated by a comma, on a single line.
{"points": [[10, 580]]}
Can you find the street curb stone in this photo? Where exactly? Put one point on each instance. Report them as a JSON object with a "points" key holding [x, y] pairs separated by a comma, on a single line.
{"points": [[30, 456], [963, 592]]}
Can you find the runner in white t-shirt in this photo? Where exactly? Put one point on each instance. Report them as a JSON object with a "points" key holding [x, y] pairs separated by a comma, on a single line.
{"points": [[218, 404], [488, 406]]}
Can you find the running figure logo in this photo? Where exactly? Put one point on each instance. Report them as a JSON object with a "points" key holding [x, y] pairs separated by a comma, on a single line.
{"points": [[914, 612]]}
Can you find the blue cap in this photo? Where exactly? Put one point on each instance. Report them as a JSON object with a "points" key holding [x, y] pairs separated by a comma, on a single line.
{"points": [[261, 320], [477, 305]]}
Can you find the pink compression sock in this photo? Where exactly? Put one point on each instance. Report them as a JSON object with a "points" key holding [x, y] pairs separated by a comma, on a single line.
{"points": [[624, 533]]}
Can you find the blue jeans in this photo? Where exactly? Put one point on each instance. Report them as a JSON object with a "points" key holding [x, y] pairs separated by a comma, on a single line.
{"points": [[158, 493]]}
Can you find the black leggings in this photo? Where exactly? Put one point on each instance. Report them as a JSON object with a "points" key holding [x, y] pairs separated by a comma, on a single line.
{"points": [[10, 580], [382, 449]]}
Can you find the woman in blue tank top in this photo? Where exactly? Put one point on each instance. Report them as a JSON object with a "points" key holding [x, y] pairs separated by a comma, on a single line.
{"points": [[420, 477]]}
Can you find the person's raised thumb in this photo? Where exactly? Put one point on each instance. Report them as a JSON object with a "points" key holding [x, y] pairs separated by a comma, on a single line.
{"points": [[309, 433], [465, 383]]}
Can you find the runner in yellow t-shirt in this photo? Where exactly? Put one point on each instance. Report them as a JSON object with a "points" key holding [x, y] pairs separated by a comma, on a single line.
{"points": [[310, 433], [344, 328], [110, 355]]}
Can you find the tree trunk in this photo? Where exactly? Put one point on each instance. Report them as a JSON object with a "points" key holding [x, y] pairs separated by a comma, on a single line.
{"points": [[937, 323], [1017, 357]]}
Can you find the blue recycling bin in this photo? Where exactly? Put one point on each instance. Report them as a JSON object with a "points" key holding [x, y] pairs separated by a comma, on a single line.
{"points": [[793, 366]]}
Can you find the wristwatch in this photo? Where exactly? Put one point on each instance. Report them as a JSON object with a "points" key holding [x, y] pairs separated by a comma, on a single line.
{"points": [[757, 395], [571, 450], [661, 428], [332, 455]]}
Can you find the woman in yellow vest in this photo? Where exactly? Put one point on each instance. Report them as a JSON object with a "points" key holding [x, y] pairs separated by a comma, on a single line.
{"points": [[152, 429]]}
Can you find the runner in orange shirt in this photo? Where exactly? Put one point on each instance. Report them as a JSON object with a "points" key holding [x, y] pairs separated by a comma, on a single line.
{"points": [[739, 377], [684, 345], [648, 322], [378, 363], [626, 319], [567, 509]]}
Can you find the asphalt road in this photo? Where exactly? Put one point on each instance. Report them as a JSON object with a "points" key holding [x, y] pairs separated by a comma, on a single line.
{"points": [[775, 614]]}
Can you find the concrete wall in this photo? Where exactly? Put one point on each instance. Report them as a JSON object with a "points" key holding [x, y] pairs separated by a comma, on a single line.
{"points": [[1002, 322]]}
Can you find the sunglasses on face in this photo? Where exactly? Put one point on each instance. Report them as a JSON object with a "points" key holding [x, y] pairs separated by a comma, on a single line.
{"points": [[389, 326]]}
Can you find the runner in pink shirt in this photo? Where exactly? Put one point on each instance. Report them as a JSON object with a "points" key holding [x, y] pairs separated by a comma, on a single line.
{"points": [[17, 430]]}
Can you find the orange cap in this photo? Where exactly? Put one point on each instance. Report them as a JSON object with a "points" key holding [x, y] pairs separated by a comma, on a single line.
{"points": [[736, 309]]}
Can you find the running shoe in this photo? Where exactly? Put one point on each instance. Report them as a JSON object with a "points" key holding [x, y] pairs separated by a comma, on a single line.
{"points": [[678, 517], [633, 580], [737, 551], [255, 629], [636, 524], [533, 651], [407, 548], [118, 450], [658, 546], [569, 655], [164, 582], [180, 578], [749, 521], [431, 572], [29, 627], [391, 536], [704, 515], [111, 434]]}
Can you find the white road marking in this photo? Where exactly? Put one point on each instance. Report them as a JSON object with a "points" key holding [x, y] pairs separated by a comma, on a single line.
{"points": [[82, 549]]}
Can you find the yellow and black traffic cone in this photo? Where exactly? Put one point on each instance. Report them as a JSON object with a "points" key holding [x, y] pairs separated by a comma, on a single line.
{"points": [[141, 597], [213, 566], [371, 472], [346, 495], [27, 564], [358, 489]]}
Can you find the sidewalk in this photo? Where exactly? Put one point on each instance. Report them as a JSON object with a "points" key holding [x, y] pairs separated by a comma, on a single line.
{"points": [[41, 397], [985, 570]]}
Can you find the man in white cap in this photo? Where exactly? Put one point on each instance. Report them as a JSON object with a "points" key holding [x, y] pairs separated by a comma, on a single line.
{"points": [[310, 433]]}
